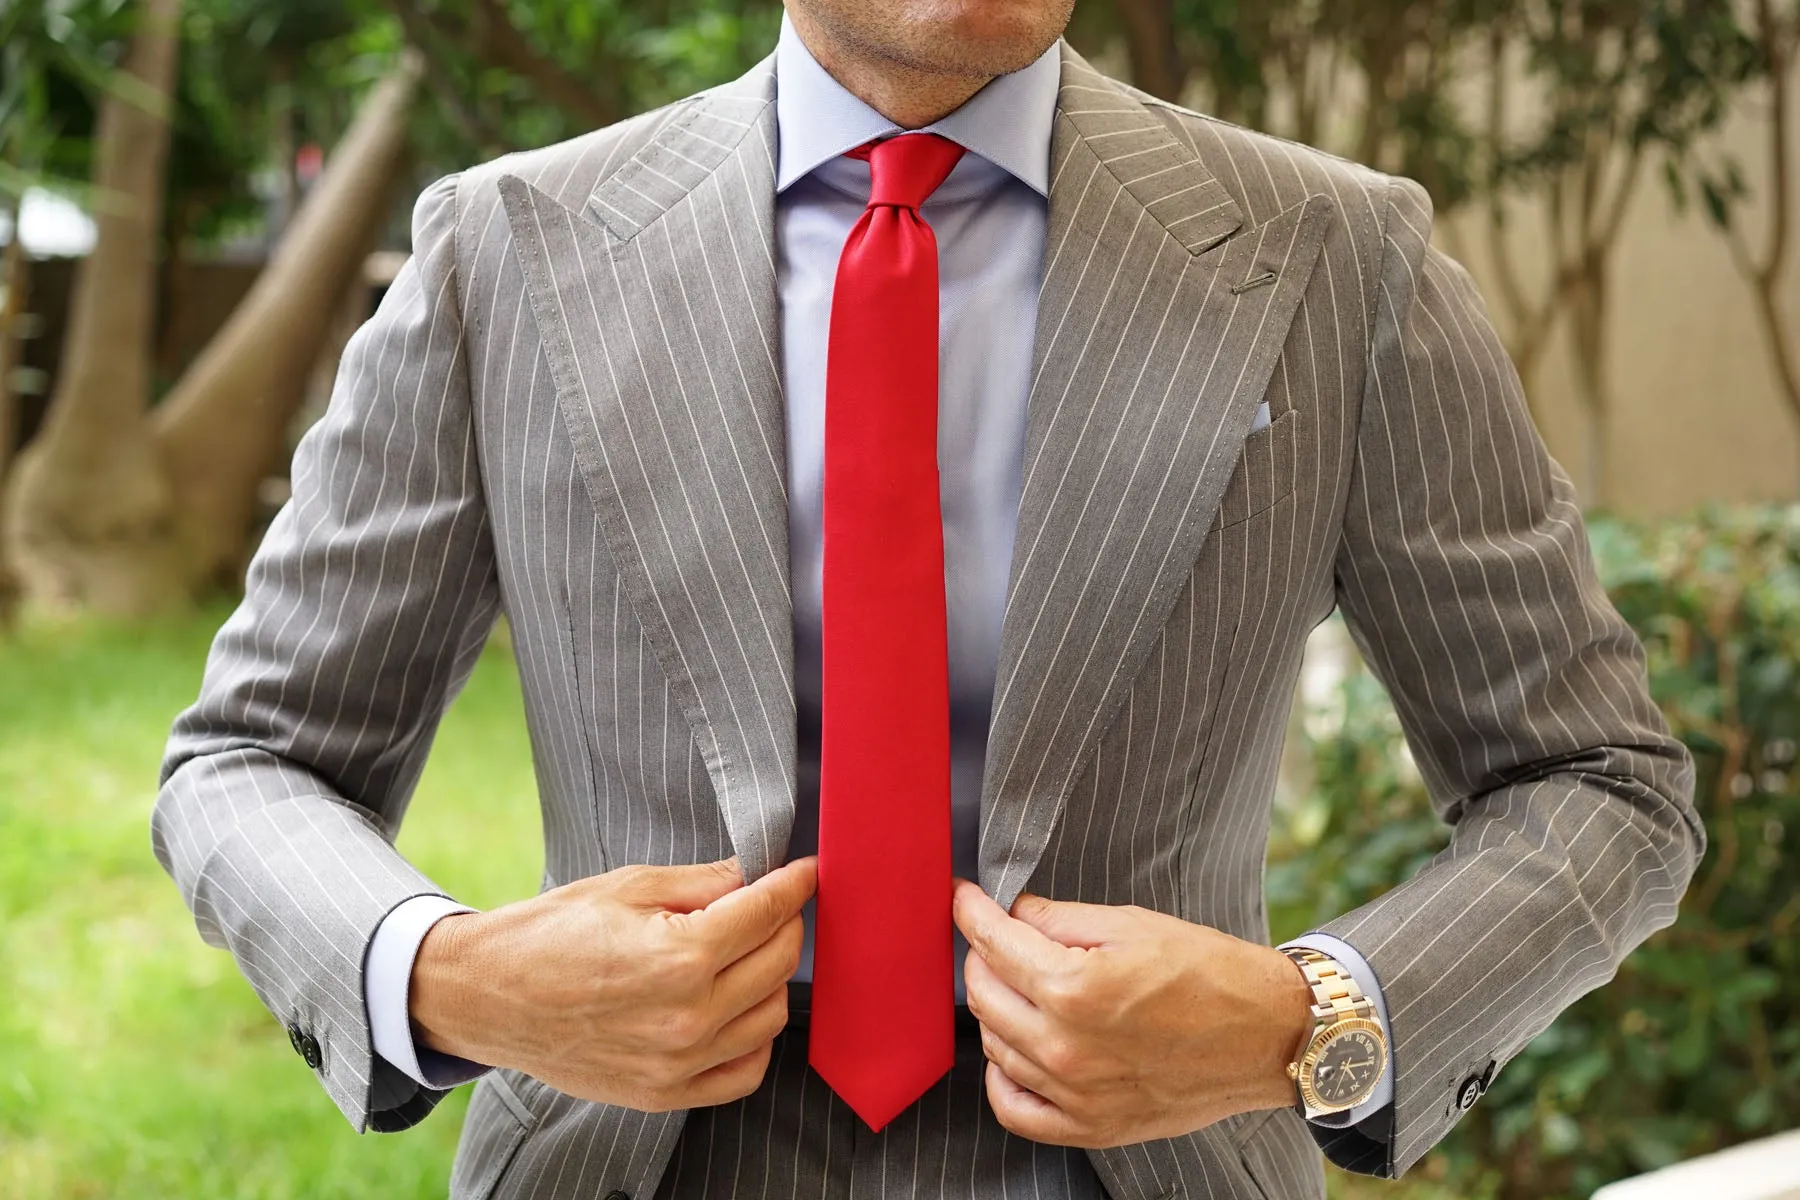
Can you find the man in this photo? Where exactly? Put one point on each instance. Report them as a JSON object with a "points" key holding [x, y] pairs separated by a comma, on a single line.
{"points": [[915, 468]]}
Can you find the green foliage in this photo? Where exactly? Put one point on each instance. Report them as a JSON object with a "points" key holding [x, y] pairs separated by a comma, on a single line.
{"points": [[1639, 77], [1693, 1046], [571, 64], [1276, 66], [260, 78], [54, 59]]}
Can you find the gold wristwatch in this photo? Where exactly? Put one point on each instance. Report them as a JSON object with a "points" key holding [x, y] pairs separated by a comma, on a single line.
{"points": [[1346, 1053]]}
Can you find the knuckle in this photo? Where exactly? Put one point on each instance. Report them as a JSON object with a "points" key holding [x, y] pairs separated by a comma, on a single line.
{"points": [[662, 1073], [777, 1017], [1056, 993], [631, 876], [1099, 1137], [1077, 1005], [750, 1077], [1065, 992], [1008, 1117], [670, 938], [681, 1028], [657, 1100], [1079, 1107], [794, 942], [1061, 1058], [661, 1079], [688, 966]]}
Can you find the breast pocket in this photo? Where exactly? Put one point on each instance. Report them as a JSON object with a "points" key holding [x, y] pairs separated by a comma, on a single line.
{"points": [[1265, 472]]}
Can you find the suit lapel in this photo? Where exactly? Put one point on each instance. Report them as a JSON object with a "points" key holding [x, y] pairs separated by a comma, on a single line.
{"points": [[1150, 361], [657, 309]]}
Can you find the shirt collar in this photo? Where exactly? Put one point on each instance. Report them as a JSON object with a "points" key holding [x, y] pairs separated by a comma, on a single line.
{"points": [[1008, 122]]}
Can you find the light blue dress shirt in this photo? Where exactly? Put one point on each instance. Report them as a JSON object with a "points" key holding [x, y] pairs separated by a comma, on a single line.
{"points": [[989, 217]]}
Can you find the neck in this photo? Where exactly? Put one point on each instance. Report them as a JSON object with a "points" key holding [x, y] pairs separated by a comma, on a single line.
{"points": [[910, 98]]}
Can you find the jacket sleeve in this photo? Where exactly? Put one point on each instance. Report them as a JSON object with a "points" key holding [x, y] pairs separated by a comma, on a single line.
{"points": [[365, 608], [1466, 578]]}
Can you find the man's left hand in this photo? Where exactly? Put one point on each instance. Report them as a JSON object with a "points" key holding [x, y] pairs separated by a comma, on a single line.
{"points": [[1109, 1025]]}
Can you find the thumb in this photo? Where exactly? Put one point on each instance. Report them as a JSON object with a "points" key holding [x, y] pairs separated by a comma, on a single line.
{"points": [[1072, 923], [683, 888]]}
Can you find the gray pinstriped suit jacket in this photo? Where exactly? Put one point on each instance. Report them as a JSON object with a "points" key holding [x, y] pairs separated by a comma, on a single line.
{"points": [[568, 408]]}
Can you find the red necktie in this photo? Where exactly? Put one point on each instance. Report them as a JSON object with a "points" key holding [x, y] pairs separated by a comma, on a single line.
{"points": [[883, 998]]}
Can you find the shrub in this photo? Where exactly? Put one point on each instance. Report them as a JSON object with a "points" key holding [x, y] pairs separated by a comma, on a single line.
{"points": [[1696, 1043]]}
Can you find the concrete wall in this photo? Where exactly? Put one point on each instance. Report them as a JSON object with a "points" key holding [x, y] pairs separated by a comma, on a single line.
{"points": [[1698, 415]]}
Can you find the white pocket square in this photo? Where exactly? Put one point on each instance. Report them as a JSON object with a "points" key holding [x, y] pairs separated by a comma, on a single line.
{"points": [[1261, 418]]}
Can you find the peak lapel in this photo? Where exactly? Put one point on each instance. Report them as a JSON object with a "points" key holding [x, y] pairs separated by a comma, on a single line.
{"points": [[1148, 370], [657, 309]]}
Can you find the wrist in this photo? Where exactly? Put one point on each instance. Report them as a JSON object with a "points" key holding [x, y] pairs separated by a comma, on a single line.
{"points": [[1288, 1002], [439, 1000]]}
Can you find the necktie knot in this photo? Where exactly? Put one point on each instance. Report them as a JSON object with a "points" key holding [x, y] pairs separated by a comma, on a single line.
{"points": [[904, 170]]}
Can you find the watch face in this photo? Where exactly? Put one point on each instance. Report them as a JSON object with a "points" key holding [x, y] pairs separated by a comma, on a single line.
{"points": [[1347, 1068]]}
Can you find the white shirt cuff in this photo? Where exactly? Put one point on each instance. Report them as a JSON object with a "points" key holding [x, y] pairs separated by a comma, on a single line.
{"points": [[386, 990], [1358, 966]]}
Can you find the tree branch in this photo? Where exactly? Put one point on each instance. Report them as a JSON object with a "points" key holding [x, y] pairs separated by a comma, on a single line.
{"points": [[500, 42], [473, 125], [490, 36]]}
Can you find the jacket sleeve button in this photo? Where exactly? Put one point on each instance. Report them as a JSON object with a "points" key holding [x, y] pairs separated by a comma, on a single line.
{"points": [[308, 1046], [1469, 1093]]}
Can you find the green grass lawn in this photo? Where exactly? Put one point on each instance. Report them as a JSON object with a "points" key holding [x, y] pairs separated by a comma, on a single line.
{"points": [[134, 1060]]}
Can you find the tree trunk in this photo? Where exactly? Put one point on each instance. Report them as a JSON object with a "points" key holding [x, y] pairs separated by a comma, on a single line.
{"points": [[1588, 313], [1780, 41], [1156, 64], [88, 498], [222, 428], [16, 279], [126, 511]]}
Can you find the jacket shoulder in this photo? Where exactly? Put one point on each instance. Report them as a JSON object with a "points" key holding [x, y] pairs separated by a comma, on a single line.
{"points": [[1266, 174]]}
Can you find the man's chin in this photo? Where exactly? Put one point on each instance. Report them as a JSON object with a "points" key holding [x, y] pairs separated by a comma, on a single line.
{"points": [[976, 38], [977, 58]]}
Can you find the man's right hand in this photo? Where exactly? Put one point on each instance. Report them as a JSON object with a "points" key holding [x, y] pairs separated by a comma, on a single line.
{"points": [[653, 988]]}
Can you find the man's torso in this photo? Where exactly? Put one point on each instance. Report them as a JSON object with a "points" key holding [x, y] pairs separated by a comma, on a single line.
{"points": [[621, 340]]}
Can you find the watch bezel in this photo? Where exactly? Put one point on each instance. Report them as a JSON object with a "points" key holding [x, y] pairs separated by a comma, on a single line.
{"points": [[1315, 1049]]}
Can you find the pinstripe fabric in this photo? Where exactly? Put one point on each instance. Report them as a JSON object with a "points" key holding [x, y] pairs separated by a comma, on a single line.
{"points": [[794, 1137], [568, 407]]}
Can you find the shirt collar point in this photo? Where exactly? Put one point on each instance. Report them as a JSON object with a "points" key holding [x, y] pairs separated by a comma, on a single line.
{"points": [[1008, 122]]}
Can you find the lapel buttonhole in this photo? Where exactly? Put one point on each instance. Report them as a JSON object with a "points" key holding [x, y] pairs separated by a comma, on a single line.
{"points": [[1255, 281]]}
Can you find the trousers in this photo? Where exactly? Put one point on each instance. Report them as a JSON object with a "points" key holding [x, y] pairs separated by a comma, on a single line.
{"points": [[793, 1138]]}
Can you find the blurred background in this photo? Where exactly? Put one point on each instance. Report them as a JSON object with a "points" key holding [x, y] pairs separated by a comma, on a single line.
{"points": [[200, 199]]}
